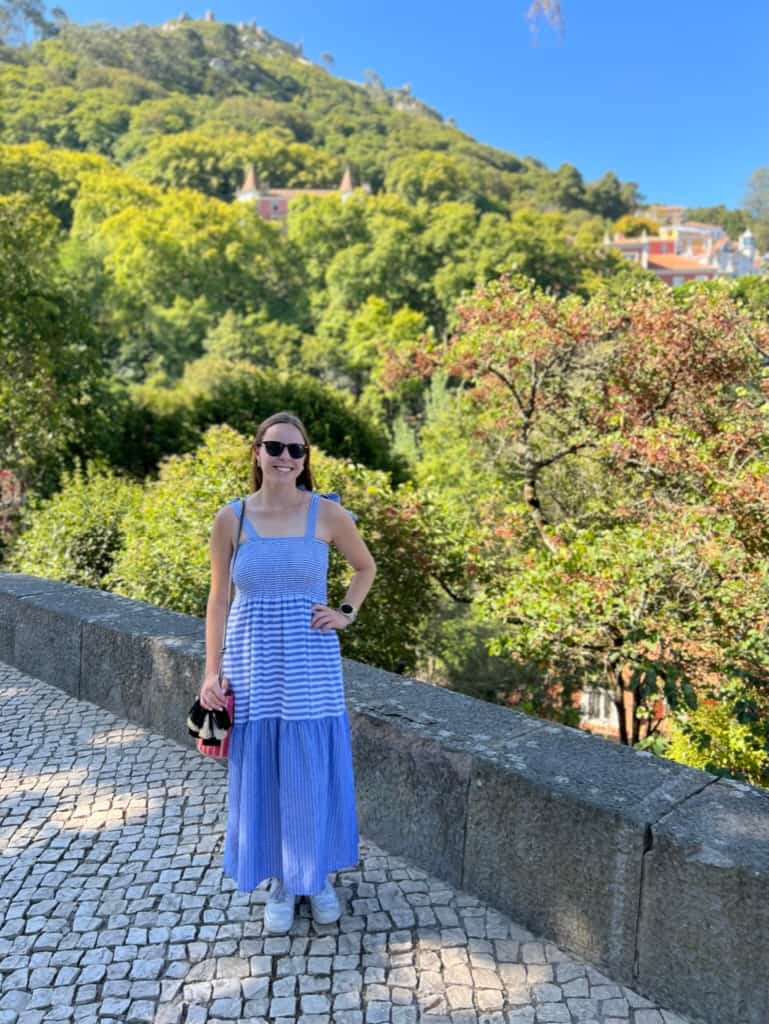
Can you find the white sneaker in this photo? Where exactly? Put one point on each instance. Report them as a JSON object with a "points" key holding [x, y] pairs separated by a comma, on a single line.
{"points": [[325, 905], [279, 909]]}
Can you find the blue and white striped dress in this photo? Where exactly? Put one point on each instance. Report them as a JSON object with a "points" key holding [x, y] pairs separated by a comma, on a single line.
{"points": [[291, 796]]}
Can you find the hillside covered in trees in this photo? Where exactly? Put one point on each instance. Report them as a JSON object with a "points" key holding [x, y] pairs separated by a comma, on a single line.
{"points": [[560, 464]]}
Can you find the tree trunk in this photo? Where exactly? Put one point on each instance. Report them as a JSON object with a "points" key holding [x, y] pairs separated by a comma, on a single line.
{"points": [[616, 684]]}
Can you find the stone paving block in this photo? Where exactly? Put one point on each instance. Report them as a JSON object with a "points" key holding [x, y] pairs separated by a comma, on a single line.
{"points": [[552, 1013], [347, 1000], [377, 1012], [282, 1007]]}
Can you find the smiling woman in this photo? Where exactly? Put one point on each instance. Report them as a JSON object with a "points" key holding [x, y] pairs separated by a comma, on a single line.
{"points": [[291, 797]]}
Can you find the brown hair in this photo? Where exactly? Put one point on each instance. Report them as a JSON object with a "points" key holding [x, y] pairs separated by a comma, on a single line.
{"points": [[305, 477]]}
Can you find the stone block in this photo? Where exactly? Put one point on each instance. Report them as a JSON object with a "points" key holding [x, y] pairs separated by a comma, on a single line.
{"points": [[410, 793], [413, 745], [704, 930], [14, 586], [130, 666], [556, 831], [48, 631]]}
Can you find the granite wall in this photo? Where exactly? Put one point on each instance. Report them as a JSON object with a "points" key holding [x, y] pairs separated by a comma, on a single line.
{"points": [[656, 873]]}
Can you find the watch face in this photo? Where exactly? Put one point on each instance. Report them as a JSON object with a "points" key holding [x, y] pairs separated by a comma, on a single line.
{"points": [[347, 609]]}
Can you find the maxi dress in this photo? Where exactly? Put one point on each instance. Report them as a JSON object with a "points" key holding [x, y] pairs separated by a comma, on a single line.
{"points": [[291, 811]]}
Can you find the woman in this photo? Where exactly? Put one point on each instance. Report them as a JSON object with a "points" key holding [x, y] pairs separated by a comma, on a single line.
{"points": [[291, 798]]}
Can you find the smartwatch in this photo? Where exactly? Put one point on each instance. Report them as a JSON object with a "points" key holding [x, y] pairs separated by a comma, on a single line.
{"points": [[349, 611]]}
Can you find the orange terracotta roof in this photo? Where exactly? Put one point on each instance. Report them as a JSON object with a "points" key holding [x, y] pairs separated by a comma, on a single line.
{"points": [[702, 247], [667, 261]]}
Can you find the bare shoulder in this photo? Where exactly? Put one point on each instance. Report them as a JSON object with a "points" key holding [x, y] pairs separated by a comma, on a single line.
{"points": [[225, 523], [331, 517], [333, 510], [225, 514]]}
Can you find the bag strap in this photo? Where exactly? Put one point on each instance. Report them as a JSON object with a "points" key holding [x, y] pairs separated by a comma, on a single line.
{"points": [[229, 585]]}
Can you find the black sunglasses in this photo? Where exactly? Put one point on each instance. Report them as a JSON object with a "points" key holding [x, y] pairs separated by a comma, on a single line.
{"points": [[296, 451]]}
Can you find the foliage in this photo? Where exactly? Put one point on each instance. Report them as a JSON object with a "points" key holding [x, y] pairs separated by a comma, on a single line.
{"points": [[75, 534], [157, 420], [414, 547], [127, 92], [50, 177], [727, 736], [19, 19], [165, 557], [173, 268], [215, 165], [630, 434], [51, 376], [631, 226]]}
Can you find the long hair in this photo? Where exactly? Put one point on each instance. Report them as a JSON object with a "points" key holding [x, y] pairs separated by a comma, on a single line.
{"points": [[305, 477]]}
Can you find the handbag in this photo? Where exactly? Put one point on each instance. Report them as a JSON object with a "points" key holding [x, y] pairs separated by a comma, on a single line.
{"points": [[212, 727]]}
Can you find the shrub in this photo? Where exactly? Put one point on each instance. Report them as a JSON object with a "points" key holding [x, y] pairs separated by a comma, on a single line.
{"points": [[719, 737], [151, 542], [76, 534], [165, 560]]}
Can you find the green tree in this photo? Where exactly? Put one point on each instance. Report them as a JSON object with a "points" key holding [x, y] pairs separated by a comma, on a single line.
{"points": [[175, 267], [628, 553], [632, 226], [608, 198], [22, 20], [435, 177], [563, 190], [215, 165], [161, 420], [49, 176], [756, 205], [51, 375]]}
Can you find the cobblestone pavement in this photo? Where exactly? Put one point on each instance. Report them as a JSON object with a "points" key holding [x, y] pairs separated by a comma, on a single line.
{"points": [[114, 905]]}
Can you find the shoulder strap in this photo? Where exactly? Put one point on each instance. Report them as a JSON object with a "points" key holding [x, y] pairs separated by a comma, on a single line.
{"points": [[229, 584]]}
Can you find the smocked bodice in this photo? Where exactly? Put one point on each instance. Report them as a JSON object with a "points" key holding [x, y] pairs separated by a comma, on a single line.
{"points": [[281, 566]]}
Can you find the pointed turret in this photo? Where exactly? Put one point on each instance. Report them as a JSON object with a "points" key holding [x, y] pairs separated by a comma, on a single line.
{"points": [[251, 188], [346, 186]]}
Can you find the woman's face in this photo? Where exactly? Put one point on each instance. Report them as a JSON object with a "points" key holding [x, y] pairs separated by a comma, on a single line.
{"points": [[280, 467]]}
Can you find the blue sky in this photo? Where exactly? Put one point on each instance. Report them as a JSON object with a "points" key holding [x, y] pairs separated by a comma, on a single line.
{"points": [[671, 94]]}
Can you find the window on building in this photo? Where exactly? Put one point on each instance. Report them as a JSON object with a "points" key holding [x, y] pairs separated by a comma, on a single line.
{"points": [[678, 279], [597, 705]]}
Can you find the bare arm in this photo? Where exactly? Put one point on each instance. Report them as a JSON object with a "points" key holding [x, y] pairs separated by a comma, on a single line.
{"points": [[345, 537], [221, 549]]}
